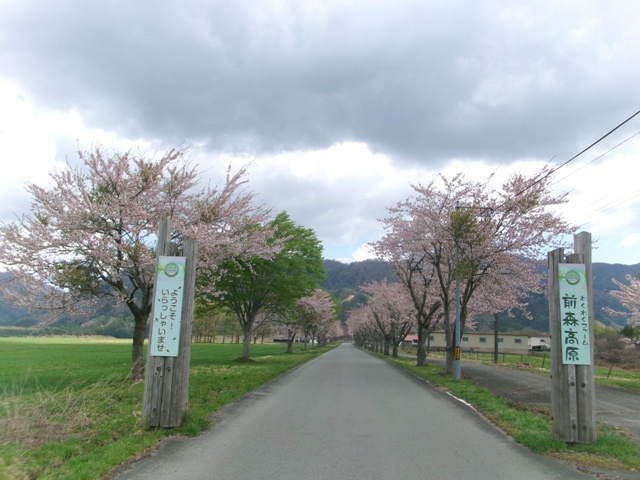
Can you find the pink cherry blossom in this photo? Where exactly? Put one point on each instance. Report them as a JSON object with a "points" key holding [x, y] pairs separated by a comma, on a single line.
{"points": [[92, 232]]}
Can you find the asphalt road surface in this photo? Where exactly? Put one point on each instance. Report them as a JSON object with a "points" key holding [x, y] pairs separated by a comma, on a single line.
{"points": [[348, 415]]}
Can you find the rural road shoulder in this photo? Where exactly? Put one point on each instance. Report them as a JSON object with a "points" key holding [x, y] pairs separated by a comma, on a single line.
{"points": [[616, 406]]}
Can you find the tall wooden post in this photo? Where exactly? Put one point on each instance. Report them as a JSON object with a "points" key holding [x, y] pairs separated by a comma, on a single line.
{"points": [[573, 385], [167, 377]]}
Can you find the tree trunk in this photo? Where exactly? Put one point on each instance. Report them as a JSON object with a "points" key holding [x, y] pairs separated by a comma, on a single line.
{"points": [[422, 349], [246, 344], [291, 336], [386, 346], [394, 352], [449, 359], [495, 338], [137, 352]]}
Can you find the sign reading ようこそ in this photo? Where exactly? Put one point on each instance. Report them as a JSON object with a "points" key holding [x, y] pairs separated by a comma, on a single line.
{"points": [[167, 307]]}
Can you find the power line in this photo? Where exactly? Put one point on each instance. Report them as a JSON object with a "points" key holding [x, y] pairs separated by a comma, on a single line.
{"points": [[599, 140], [552, 171], [611, 205], [599, 201], [596, 158]]}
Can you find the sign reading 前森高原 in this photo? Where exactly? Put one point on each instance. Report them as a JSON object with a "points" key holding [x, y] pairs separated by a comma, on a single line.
{"points": [[167, 307], [574, 314]]}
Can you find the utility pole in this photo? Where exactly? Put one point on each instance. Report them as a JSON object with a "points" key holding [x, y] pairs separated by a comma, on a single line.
{"points": [[457, 326]]}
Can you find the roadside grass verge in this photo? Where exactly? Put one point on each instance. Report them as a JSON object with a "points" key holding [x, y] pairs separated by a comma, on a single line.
{"points": [[530, 425], [540, 362], [69, 410]]}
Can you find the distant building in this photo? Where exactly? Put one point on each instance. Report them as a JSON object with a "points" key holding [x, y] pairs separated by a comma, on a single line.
{"points": [[510, 343]]}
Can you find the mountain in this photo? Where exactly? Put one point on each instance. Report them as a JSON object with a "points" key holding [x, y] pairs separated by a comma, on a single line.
{"points": [[16, 316], [353, 275], [343, 282], [107, 318]]}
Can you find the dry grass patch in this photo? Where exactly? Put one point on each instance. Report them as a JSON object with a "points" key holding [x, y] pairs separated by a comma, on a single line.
{"points": [[47, 416]]}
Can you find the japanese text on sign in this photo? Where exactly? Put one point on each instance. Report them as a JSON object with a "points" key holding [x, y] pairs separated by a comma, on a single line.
{"points": [[167, 307], [574, 314]]}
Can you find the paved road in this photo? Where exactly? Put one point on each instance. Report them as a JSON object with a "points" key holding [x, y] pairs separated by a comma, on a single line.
{"points": [[348, 415], [613, 405]]}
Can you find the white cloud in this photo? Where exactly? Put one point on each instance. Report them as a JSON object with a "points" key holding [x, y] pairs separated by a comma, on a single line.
{"points": [[340, 192], [361, 253]]}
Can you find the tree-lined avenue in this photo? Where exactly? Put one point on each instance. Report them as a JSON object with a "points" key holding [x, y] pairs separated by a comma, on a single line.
{"points": [[348, 415]]}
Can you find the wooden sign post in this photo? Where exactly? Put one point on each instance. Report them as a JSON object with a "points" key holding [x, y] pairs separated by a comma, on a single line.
{"points": [[166, 385], [571, 329]]}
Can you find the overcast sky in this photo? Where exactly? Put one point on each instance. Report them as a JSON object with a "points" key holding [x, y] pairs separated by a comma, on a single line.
{"points": [[339, 105]]}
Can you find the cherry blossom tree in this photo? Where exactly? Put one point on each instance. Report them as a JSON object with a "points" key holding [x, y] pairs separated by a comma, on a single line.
{"points": [[467, 231], [315, 315], [507, 291], [629, 297], [336, 332], [363, 329], [403, 247], [288, 318], [393, 312], [91, 233]]}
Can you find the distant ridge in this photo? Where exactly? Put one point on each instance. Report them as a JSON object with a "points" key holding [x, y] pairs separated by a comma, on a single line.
{"points": [[344, 281]]}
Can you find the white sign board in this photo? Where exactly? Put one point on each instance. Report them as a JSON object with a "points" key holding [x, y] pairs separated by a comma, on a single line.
{"points": [[574, 314], [167, 307]]}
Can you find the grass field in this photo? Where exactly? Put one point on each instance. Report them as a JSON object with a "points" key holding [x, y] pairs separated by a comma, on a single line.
{"points": [[69, 410]]}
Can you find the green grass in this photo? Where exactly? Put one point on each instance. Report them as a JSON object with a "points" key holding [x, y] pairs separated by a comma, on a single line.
{"points": [[530, 425], [540, 362], [69, 410]]}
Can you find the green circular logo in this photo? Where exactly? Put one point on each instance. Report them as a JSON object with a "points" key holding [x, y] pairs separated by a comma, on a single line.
{"points": [[572, 277], [171, 269]]}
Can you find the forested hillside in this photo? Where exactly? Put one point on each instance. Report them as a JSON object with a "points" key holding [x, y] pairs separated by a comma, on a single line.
{"points": [[345, 279], [107, 319], [602, 284], [352, 275], [16, 316], [343, 282]]}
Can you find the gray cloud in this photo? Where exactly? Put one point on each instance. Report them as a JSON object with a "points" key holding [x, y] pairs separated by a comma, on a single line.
{"points": [[422, 81]]}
